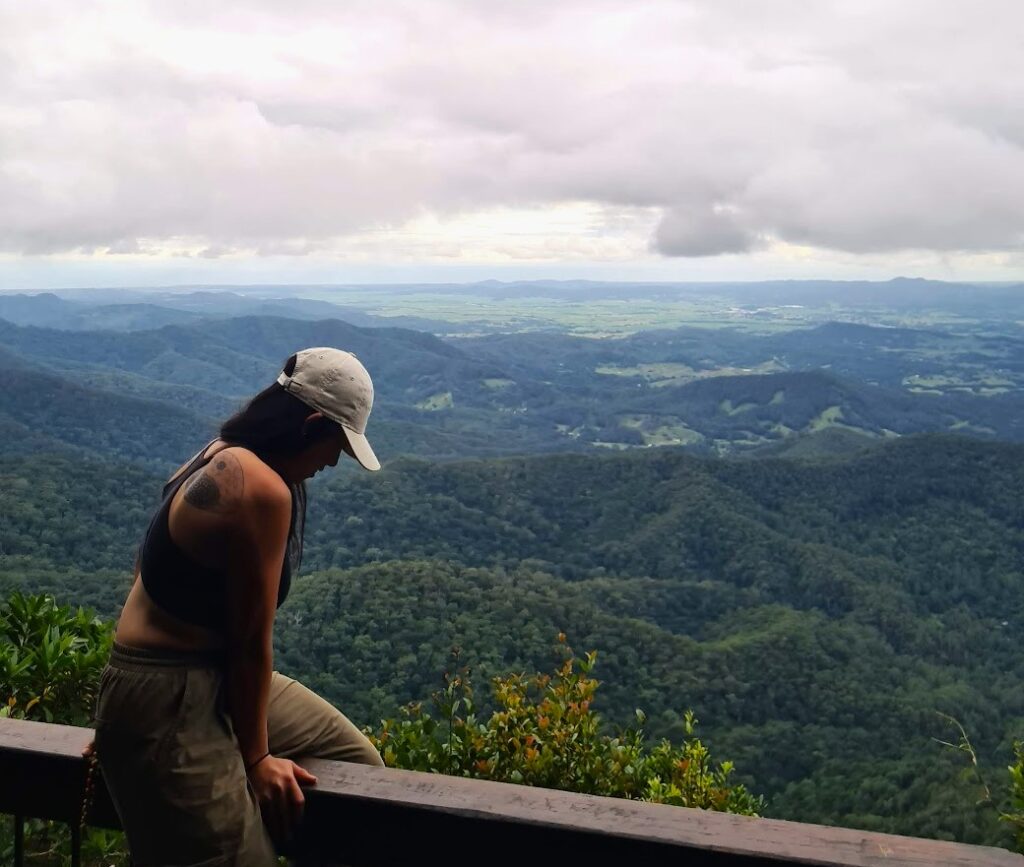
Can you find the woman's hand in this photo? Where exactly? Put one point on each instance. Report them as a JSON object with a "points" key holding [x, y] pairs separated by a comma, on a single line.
{"points": [[276, 783]]}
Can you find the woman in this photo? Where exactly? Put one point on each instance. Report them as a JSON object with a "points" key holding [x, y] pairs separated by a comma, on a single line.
{"points": [[194, 730]]}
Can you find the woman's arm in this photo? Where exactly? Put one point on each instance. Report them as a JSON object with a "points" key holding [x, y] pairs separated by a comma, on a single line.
{"points": [[256, 552], [255, 556]]}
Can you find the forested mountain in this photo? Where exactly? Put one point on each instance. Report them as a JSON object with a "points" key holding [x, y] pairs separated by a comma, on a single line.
{"points": [[42, 411], [237, 357], [707, 390], [875, 355], [209, 368], [776, 405], [815, 614], [816, 603]]}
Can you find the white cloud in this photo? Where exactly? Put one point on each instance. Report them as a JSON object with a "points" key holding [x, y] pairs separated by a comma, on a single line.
{"points": [[690, 128]]}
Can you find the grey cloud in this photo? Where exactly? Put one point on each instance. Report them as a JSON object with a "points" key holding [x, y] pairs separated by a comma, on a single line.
{"points": [[877, 128], [686, 231]]}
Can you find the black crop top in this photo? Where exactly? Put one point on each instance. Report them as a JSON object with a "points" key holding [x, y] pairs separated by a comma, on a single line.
{"points": [[176, 582]]}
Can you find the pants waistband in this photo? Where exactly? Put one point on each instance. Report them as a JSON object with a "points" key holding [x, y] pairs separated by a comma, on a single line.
{"points": [[123, 656]]}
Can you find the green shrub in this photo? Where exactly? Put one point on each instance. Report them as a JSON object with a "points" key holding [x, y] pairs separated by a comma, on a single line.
{"points": [[545, 732], [50, 659], [50, 662], [1013, 814]]}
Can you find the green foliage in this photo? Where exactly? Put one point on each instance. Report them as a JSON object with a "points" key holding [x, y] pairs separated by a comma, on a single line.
{"points": [[816, 613], [1007, 805], [48, 844], [545, 732], [50, 659], [1015, 814]]}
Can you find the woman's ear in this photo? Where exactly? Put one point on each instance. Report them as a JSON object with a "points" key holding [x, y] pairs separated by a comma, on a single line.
{"points": [[310, 422]]}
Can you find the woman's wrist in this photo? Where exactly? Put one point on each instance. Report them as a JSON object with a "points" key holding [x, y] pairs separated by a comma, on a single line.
{"points": [[253, 764]]}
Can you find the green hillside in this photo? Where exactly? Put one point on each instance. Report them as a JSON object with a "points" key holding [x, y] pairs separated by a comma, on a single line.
{"points": [[42, 411], [815, 615], [239, 356], [525, 393]]}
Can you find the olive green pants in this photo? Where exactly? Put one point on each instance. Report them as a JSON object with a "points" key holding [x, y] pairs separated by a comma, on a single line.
{"points": [[169, 755]]}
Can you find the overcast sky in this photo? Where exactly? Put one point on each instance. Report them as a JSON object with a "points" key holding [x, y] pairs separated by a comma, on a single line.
{"points": [[147, 143]]}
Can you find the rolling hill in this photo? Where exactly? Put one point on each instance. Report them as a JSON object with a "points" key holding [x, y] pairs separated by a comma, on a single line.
{"points": [[816, 615]]}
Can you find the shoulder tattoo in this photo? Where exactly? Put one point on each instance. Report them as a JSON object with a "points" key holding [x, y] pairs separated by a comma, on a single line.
{"points": [[218, 486]]}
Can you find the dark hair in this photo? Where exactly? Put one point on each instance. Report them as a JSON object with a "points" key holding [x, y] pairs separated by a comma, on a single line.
{"points": [[272, 423]]}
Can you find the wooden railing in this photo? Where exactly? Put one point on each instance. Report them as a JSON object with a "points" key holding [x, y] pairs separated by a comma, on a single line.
{"points": [[372, 816]]}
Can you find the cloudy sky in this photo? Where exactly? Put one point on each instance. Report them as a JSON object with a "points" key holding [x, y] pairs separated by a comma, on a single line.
{"points": [[177, 142]]}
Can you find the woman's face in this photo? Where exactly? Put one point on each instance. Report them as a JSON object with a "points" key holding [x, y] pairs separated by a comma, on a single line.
{"points": [[325, 452]]}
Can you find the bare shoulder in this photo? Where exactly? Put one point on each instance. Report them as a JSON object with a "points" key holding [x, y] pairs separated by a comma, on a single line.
{"points": [[235, 480], [263, 485]]}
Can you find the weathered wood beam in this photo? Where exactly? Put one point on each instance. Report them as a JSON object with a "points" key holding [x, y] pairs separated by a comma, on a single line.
{"points": [[42, 773], [412, 815], [374, 816]]}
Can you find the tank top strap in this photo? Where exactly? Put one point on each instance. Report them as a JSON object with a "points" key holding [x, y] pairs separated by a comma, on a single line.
{"points": [[175, 483]]}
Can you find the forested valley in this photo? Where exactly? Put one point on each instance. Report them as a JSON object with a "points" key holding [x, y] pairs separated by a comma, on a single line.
{"points": [[810, 537]]}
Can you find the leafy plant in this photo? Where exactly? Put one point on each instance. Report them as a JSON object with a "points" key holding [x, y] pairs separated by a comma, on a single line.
{"points": [[545, 732], [51, 657], [1014, 815]]}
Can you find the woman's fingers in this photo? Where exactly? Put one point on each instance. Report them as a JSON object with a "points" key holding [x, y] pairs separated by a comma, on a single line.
{"points": [[282, 802], [302, 775]]}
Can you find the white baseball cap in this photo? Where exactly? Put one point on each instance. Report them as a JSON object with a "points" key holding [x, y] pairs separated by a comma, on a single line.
{"points": [[336, 383]]}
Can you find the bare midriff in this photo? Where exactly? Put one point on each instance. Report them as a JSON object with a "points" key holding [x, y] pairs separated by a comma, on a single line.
{"points": [[144, 624]]}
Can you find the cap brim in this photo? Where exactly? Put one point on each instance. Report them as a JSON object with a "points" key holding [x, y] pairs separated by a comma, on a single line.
{"points": [[361, 449]]}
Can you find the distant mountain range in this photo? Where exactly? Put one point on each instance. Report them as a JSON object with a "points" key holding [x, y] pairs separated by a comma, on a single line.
{"points": [[132, 309], [139, 311], [702, 389]]}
